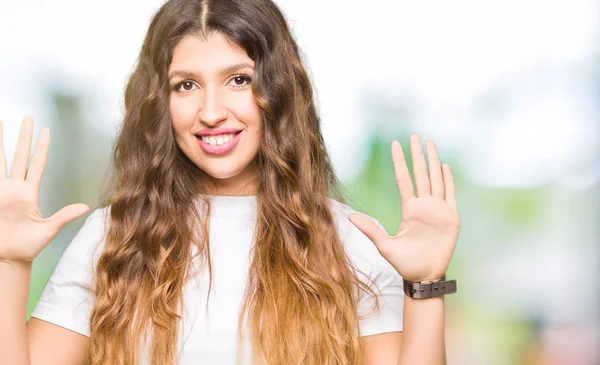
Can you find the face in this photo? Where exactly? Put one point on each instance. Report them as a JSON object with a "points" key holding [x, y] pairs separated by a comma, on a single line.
{"points": [[216, 119]]}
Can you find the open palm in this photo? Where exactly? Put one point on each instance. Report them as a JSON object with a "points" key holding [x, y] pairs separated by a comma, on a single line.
{"points": [[422, 248], [24, 232]]}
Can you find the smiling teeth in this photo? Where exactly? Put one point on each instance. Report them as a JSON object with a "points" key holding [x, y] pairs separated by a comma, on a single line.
{"points": [[218, 140]]}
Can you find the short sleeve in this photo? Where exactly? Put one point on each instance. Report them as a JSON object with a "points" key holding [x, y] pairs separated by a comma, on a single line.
{"points": [[67, 298], [388, 288], [376, 272], [388, 317]]}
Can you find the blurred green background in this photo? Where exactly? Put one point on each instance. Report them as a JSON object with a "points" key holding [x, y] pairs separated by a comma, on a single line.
{"points": [[507, 90]]}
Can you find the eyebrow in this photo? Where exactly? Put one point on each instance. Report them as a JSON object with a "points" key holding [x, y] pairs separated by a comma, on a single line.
{"points": [[226, 70]]}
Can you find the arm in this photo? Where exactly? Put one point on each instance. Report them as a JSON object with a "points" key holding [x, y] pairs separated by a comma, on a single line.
{"points": [[24, 232], [35, 342], [421, 342], [14, 288], [50, 344], [422, 248]]}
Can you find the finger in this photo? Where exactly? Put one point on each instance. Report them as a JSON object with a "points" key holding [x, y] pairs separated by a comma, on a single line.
{"points": [[419, 166], [66, 215], [19, 168], [435, 170], [403, 180], [2, 155], [38, 161], [449, 188], [369, 228]]}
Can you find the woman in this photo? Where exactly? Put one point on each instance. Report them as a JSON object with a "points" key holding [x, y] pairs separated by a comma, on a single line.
{"points": [[219, 236]]}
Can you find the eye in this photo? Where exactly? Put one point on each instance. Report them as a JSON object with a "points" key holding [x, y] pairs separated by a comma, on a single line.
{"points": [[185, 85], [240, 80]]}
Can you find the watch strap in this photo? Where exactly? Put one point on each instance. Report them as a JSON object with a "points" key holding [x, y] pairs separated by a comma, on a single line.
{"points": [[420, 290]]}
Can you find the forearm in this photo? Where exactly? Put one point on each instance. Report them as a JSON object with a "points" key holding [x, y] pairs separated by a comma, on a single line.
{"points": [[14, 289], [423, 340]]}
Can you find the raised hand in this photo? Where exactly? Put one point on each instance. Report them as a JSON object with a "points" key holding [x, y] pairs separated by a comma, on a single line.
{"points": [[23, 230], [423, 247]]}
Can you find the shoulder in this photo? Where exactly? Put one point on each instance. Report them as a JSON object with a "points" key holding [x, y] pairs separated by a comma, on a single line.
{"points": [[96, 224], [68, 299], [97, 221], [90, 238], [375, 271], [359, 247]]}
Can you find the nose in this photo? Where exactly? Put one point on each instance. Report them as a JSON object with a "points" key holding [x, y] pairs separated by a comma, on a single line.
{"points": [[212, 107]]}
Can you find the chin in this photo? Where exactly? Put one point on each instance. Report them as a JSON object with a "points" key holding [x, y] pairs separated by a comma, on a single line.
{"points": [[221, 173]]}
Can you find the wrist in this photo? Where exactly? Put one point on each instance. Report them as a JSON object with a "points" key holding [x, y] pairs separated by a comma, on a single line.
{"points": [[427, 279], [428, 289], [15, 264]]}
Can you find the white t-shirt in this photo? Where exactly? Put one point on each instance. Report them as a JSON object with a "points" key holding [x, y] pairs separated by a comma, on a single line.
{"points": [[209, 333]]}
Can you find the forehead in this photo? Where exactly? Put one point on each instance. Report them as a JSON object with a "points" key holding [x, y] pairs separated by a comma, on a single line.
{"points": [[207, 54]]}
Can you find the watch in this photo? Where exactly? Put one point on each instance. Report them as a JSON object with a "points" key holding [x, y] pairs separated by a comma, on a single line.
{"points": [[421, 290]]}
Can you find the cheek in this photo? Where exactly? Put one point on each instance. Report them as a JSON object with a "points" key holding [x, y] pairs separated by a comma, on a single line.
{"points": [[249, 111], [182, 112]]}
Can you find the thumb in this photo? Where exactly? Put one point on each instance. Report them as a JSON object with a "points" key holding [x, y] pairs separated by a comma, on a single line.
{"points": [[367, 226], [67, 214]]}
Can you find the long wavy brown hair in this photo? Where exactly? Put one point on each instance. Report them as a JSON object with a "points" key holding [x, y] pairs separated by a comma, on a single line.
{"points": [[301, 298]]}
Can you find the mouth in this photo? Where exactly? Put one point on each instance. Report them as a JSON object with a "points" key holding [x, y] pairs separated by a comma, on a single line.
{"points": [[215, 140], [219, 144]]}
